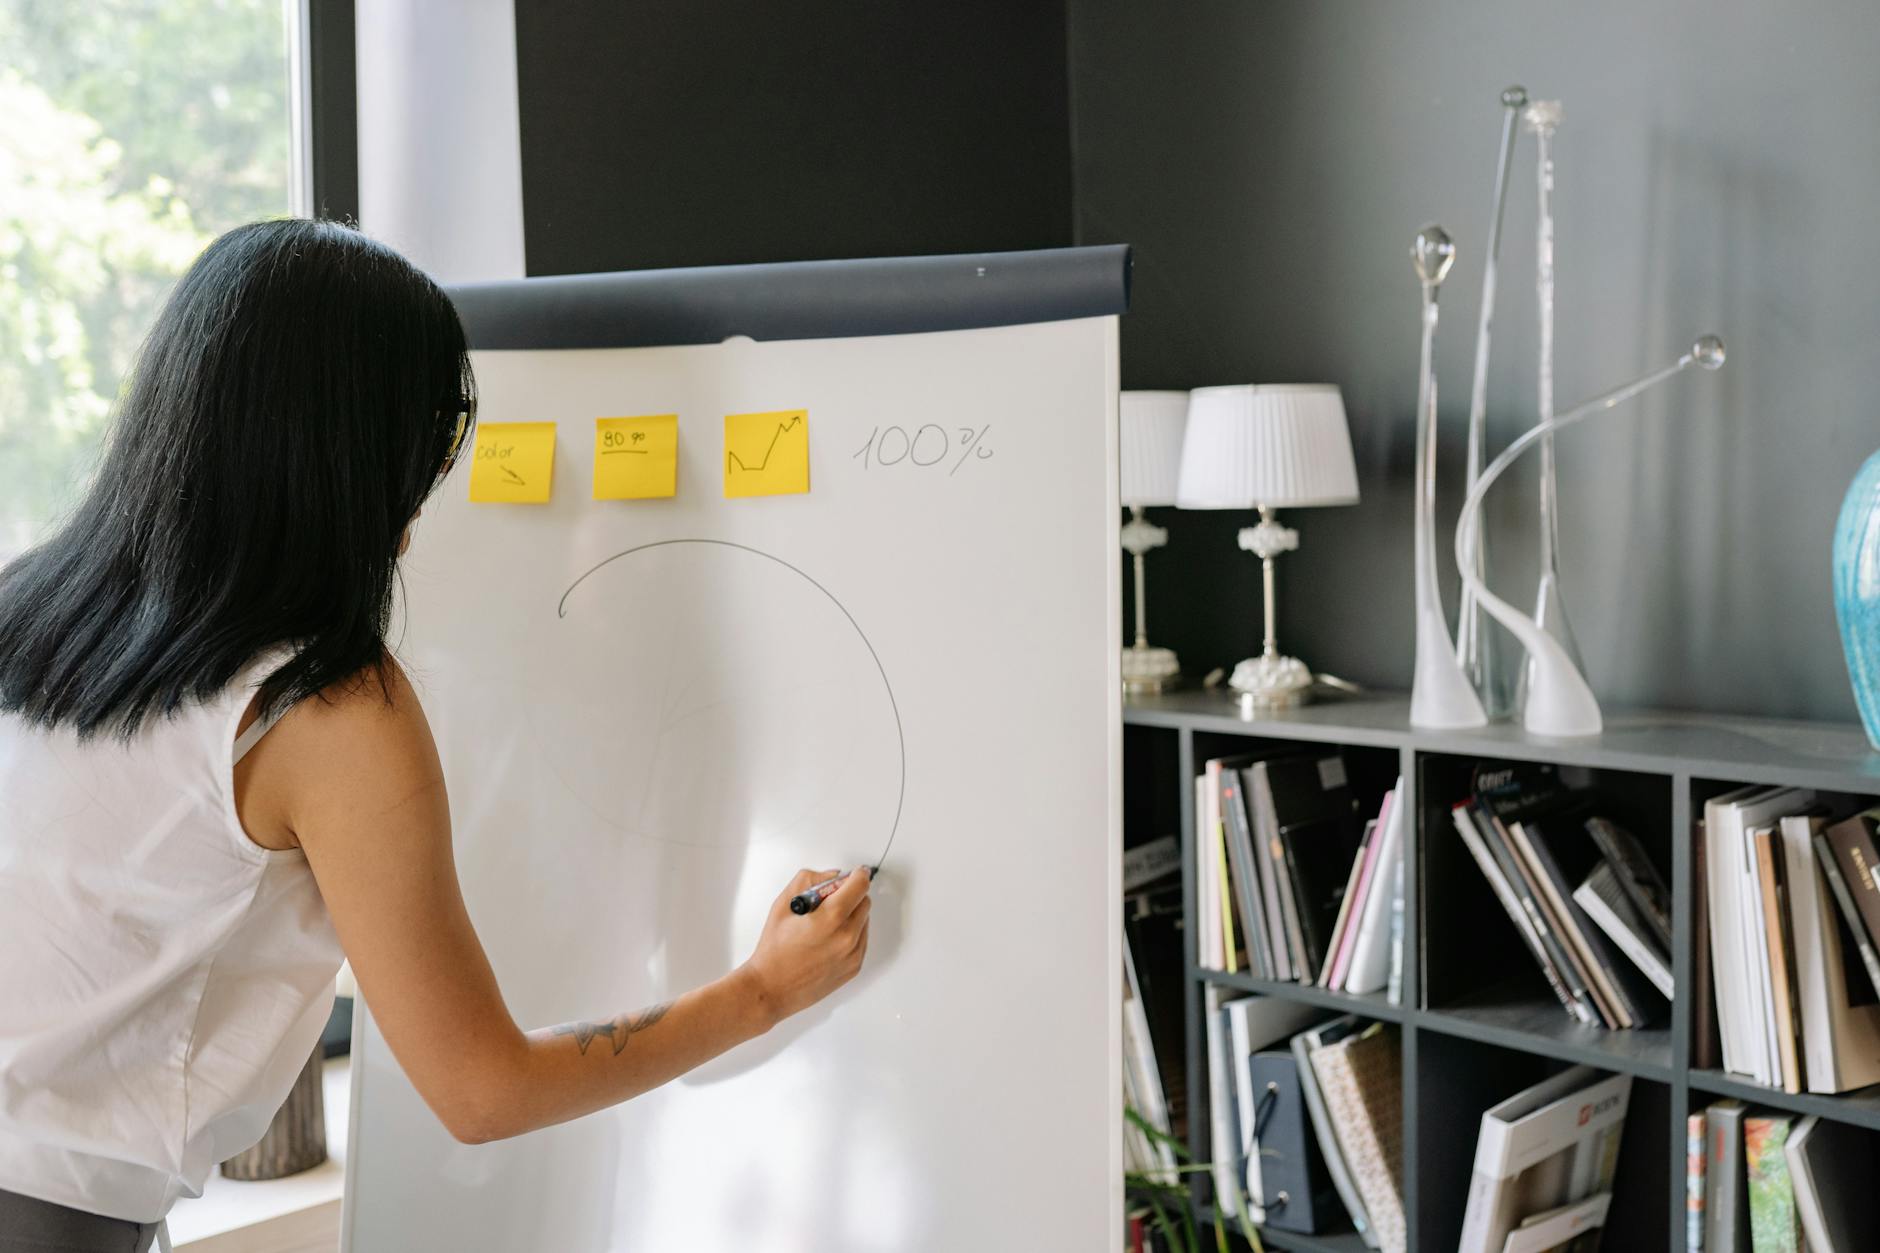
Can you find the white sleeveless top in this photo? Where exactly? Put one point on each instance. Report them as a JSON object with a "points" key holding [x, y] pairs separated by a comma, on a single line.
{"points": [[163, 978]]}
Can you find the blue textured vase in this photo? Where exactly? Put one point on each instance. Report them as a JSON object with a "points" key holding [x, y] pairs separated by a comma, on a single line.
{"points": [[1857, 591]]}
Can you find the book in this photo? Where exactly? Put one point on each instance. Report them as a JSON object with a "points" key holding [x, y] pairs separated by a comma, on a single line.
{"points": [[1207, 895], [1285, 909], [1296, 1188], [1561, 849], [1339, 950], [1462, 817], [1548, 1146], [1722, 832], [1303, 1046], [1852, 840], [1142, 1077], [1231, 929], [1223, 1112], [1244, 866], [1394, 989], [1153, 929], [1706, 1046], [1833, 1168], [1258, 803], [1508, 795], [1769, 860], [1148, 862], [1312, 821], [1255, 1023], [1141, 1153], [1694, 1125], [1772, 1225], [1726, 1185], [1361, 1078], [1559, 1228], [1759, 929], [1636, 874], [1589, 1003], [1858, 982], [1137, 1157], [1612, 911], [1553, 895], [1844, 902], [1739, 961], [1369, 967], [1839, 1015]]}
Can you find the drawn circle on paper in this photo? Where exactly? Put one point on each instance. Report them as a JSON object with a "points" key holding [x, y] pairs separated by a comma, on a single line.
{"points": [[705, 693]]}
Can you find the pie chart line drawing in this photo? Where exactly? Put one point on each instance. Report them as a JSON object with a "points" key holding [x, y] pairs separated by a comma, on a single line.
{"points": [[900, 736]]}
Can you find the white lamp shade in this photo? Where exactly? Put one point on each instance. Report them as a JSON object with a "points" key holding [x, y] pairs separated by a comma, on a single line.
{"points": [[1271, 446], [1152, 425]]}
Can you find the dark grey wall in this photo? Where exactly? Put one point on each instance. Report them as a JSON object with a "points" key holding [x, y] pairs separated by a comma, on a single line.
{"points": [[675, 132], [1718, 169]]}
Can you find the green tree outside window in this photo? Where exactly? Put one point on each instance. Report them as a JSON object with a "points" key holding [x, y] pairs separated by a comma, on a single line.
{"points": [[131, 133]]}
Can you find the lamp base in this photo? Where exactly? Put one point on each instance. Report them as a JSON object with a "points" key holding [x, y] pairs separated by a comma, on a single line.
{"points": [[1271, 681], [1148, 670]]}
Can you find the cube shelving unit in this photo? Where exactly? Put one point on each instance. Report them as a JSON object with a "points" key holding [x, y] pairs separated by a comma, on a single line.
{"points": [[1478, 1022]]}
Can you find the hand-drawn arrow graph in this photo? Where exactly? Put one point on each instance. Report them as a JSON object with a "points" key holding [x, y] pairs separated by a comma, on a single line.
{"points": [[783, 467], [733, 460]]}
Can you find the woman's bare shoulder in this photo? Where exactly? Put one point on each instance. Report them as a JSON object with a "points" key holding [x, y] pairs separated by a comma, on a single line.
{"points": [[361, 746]]}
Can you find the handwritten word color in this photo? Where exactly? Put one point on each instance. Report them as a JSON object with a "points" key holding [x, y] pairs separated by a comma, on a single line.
{"points": [[636, 458], [767, 454], [514, 463]]}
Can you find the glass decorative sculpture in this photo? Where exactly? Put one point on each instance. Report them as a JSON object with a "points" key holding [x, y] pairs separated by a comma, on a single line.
{"points": [[1559, 702], [1441, 695], [1482, 651], [1857, 591], [1542, 118]]}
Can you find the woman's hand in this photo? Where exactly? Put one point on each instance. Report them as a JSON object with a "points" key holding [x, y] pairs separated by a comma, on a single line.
{"points": [[802, 958]]}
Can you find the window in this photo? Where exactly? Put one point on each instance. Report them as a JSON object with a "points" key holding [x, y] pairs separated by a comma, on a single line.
{"points": [[132, 132]]}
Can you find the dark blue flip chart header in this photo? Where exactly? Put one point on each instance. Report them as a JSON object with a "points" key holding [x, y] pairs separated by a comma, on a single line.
{"points": [[796, 300]]}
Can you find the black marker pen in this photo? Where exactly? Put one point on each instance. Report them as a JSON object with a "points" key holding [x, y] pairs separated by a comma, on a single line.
{"points": [[810, 897]]}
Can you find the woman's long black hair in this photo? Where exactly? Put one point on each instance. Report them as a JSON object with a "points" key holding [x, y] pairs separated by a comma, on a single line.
{"points": [[300, 395]]}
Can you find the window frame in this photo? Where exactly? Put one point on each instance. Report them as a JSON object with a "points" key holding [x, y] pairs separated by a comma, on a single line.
{"points": [[326, 97]]}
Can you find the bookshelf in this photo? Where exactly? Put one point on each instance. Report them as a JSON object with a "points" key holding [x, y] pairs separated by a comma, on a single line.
{"points": [[1477, 1021]]}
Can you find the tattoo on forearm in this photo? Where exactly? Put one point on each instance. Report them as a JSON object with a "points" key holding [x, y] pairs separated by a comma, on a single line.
{"points": [[618, 1029]]}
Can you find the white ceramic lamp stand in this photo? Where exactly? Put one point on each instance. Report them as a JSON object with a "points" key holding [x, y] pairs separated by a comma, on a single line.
{"points": [[1151, 450], [1268, 447]]}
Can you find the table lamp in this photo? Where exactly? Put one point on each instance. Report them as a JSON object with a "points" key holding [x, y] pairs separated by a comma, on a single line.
{"points": [[1152, 425], [1267, 447]]}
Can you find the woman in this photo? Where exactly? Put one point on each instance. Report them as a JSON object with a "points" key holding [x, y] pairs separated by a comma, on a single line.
{"points": [[214, 780]]}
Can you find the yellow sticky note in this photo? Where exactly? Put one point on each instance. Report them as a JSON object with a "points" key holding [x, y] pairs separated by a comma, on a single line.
{"points": [[636, 458], [514, 463], [767, 454]]}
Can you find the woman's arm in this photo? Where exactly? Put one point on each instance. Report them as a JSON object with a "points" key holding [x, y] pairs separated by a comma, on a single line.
{"points": [[355, 781]]}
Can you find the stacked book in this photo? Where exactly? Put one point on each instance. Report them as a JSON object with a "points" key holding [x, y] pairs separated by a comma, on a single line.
{"points": [[1580, 889], [1305, 1119], [1759, 1181], [1153, 1087], [1294, 885], [1790, 914], [1544, 1165]]}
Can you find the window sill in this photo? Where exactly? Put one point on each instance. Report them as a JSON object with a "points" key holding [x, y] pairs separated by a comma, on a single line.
{"points": [[298, 1214]]}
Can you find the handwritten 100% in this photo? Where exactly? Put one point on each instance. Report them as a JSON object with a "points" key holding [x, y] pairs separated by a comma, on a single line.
{"points": [[930, 445]]}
